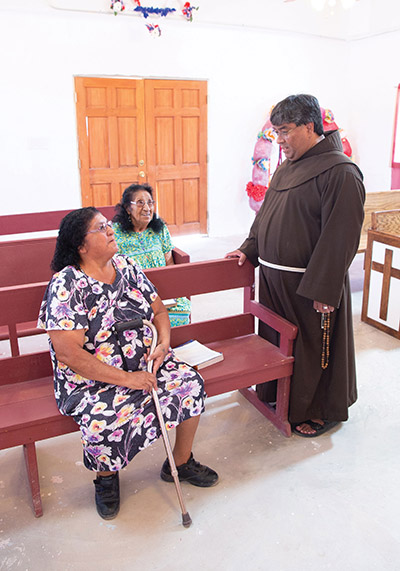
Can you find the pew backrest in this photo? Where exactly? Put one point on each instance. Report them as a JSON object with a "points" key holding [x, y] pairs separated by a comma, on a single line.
{"points": [[27, 260], [40, 221]]}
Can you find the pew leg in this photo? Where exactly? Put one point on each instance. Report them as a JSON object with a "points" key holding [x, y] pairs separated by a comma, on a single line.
{"points": [[279, 415], [33, 477], [282, 403]]}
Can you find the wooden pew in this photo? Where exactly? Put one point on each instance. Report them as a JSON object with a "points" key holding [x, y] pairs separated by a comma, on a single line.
{"points": [[40, 221], [28, 260], [28, 411]]}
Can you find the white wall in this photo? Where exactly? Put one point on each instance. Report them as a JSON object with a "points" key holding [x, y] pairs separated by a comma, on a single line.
{"points": [[247, 71], [371, 90]]}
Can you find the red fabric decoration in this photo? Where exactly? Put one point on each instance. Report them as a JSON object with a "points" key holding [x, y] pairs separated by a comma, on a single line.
{"points": [[330, 125], [256, 191]]}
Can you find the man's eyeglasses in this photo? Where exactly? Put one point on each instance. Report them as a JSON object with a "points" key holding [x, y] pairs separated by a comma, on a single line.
{"points": [[102, 228], [284, 132], [141, 203]]}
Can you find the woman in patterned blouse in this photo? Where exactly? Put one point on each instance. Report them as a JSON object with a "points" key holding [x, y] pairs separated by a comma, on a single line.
{"points": [[141, 234]]}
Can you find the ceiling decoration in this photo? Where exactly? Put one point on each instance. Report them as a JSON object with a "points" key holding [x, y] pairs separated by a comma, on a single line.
{"points": [[344, 20]]}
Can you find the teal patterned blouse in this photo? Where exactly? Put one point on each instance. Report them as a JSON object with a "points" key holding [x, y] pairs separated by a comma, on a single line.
{"points": [[148, 249]]}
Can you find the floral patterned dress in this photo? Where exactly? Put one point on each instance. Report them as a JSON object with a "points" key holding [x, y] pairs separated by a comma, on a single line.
{"points": [[148, 248], [115, 422]]}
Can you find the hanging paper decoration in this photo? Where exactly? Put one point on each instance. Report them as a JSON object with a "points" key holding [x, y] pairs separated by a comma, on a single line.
{"points": [[261, 159], [267, 135], [328, 122], [187, 11], [117, 6], [262, 163], [146, 10], [154, 30]]}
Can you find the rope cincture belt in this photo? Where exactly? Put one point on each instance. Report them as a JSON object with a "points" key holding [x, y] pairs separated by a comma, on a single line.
{"points": [[284, 268], [325, 317]]}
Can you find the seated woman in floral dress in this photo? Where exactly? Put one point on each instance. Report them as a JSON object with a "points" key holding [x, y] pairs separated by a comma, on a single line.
{"points": [[92, 289], [140, 233]]}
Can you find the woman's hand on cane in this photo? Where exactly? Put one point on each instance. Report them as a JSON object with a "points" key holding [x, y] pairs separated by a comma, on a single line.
{"points": [[157, 356], [162, 325]]}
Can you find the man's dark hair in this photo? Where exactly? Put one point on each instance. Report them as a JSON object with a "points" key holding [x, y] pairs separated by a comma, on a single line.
{"points": [[122, 217], [299, 109], [71, 235]]}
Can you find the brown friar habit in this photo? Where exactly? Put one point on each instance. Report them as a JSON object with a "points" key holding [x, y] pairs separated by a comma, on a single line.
{"points": [[311, 218]]}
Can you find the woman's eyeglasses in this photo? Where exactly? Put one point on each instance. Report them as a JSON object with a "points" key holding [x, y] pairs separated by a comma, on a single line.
{"points": [[102, 228], [141, 203]]}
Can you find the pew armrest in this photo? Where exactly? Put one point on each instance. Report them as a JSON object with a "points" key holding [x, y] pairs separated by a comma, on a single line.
{"points": [[180, 257]]}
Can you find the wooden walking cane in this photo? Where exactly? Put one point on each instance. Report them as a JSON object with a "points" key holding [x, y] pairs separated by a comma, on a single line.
{"points": [[135, 324]]}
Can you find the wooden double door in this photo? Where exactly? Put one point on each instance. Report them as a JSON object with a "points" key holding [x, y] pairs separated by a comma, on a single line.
{"points": [[143, 130]]}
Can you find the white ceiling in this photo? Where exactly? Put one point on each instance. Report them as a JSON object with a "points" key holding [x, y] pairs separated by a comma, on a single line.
{"points": [[366, 19]]}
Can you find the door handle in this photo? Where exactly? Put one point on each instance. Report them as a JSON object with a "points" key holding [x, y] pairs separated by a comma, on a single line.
{"points": [[142, 174]]}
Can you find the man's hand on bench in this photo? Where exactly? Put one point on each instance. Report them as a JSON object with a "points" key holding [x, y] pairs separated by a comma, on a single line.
{"points": [[237, 254]]}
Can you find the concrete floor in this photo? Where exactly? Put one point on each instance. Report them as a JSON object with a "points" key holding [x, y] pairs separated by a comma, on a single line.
{"points": [[329, 503]]}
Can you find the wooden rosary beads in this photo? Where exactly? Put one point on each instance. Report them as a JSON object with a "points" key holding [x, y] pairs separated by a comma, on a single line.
{"points": [[325, 325]]}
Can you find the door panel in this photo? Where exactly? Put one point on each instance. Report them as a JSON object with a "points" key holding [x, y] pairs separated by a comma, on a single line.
{"points": [[96, 97], [190, 140], [112, 138], [166, 201], [164, 99], [191, 202], [138, 130], [190, 98], [99, 154], [176, 124], [164, 136], [127, 129], [103, 193]]}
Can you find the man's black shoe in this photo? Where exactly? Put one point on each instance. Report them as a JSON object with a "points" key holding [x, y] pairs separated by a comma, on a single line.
{"points": [[107, 495], [192, 472]]}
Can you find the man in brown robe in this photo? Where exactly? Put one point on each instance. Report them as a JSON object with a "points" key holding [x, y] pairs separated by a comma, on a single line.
{"points": [[304, 238]]}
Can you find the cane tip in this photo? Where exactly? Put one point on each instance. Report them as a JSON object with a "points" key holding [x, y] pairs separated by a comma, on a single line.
{"points": [[186, 520]]}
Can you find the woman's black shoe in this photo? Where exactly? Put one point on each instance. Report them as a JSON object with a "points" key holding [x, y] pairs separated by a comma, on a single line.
{"points": [[192, 472], [107, 495]]}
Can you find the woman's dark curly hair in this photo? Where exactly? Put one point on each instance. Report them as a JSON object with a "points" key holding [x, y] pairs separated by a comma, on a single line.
{"points": [[71, 235], [122, 217]]}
